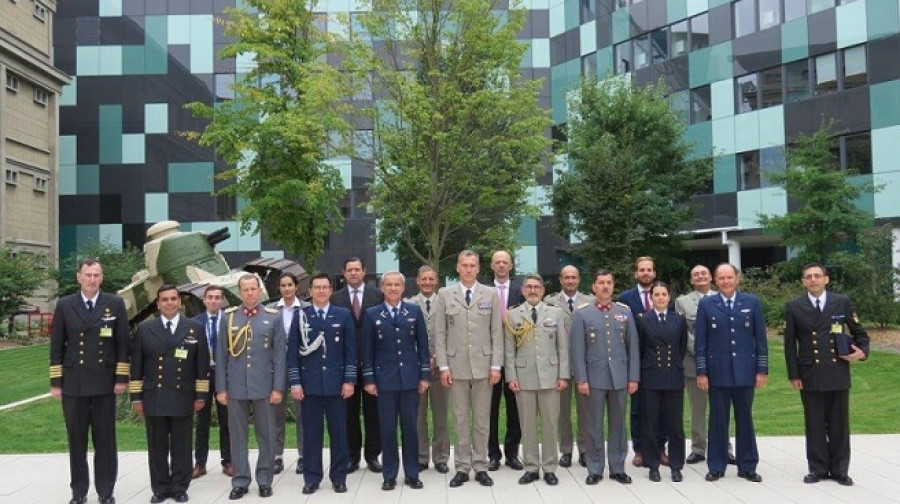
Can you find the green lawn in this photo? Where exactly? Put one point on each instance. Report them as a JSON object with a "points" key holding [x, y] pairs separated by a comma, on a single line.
{"points": [[874, 404], [24, 373]]}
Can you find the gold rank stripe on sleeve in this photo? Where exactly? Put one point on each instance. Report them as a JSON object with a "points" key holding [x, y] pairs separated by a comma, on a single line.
{"points": [[136, 386], [56, 371], [202, 386], [123, 369]]}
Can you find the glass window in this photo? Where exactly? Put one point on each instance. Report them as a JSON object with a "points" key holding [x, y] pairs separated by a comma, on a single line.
{"points": [[621, 3], [681, 105], [679, 39], [641, 51], [744, 17], [700, 105], [770, 13], [623, 57], [748, 164], [659, 44], [797, 76], [747, 93], [224, 83], [820, 5], [855, 74], [587, 11], [858, 153], [794, 9], [826, 74], [589, 65], [770, 81], [844, 2], [699, 31]]}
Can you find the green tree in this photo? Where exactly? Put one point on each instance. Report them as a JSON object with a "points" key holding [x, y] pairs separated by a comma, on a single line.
{"points": [[277, 131], [119, 264], [630, 179], [459, 138], [21, 275], [869, 276], [824, 218]]}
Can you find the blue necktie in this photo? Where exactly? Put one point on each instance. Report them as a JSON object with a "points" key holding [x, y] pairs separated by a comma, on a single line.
{"points": [[212, 332]]}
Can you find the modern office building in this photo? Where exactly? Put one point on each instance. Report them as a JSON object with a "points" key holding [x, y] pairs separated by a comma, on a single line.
{"points": [[747, 76]]}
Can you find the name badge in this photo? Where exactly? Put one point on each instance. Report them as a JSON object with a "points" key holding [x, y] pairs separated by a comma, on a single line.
{"points": [[836, 328], [181, 353], [106, 332]]}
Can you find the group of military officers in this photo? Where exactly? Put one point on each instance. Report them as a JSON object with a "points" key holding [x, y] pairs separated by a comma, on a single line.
{"points": [[446, 351]]}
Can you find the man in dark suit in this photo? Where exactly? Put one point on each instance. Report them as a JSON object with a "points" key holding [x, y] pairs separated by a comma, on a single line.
{"points": [[169, 382], [510, 292], [732, 361], [357, 297], [396, 368], [211, 321], [638, 299], [322, 374], [88, 368], [818, 353]]}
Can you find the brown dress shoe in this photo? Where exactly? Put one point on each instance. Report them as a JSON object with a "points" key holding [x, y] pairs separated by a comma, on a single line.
{"points": [[198, 471], [638, 460], [663, 458], [228, 470]]}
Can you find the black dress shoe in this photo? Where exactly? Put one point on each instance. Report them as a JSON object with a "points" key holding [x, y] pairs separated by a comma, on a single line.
{"points": [[157, 497], [109, 499], [299, 469], [750, 476], [423, 467], [620, 477], [458, 479], [78, 500], [565, 460], [812, 478], [265, 490], [180, 496], [493, 464], [310, 489], [581, 460], [515, 464], [414, 483], [654, 476], [695, 458], [551, 479], [483, 479], [714, 475], [528, 477], [843, 479], [339, 487], [374, 465], [593, 479], [237, 493], [676, 476], [352, 467], [278, 468], [389, 485], [442, 467], [731, 459]]}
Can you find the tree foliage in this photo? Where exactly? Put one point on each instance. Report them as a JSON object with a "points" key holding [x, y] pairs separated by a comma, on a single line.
{"points": [[275, 133], [119, 264], [869, 276], [21, 276], [630, 179], [459, 136], [824, 218]]}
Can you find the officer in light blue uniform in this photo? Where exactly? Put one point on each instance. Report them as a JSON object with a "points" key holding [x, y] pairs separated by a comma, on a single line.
{"points": [[396, 368], [732, 360], [321, 372]]}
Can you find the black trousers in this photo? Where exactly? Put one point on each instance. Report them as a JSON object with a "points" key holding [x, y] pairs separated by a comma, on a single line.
{"points": [[97, 413], [663, 407], [370, 417], [204, 420], [513, 428], [826, 416], [636, 420], [169, 436]]}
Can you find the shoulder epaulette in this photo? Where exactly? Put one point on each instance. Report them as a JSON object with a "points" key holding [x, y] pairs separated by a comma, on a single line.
{"points": [[582, 305], [623, 305], [230, 309], [513, 307], [269, 309]]}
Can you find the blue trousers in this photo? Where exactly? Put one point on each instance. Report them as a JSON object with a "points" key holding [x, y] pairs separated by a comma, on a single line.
{"points": [[405, 405], [316, 410], [721, 400]]}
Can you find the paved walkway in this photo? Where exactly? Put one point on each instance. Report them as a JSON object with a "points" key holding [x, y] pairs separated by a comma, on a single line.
{"points": [[28, 479]]}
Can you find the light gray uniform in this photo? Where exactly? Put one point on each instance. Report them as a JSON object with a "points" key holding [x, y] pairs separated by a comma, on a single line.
{"points": [[249, 379], [537, 359], [469, 342], [565, 396], [605, 354], [436, 395]]}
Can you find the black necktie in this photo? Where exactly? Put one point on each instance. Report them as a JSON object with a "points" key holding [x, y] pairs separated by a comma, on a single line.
{"points": [[818, 305], [427, 306], [468, 297], [212, 331], [571, 306], [90, 305], [728, 304], [662, 317], [169, 327], [394, 313], [321, 314], [534, 314]]}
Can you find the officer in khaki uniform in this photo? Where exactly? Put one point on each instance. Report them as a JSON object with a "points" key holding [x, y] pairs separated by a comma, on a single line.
{"points": [[251, 360], [469, 354], [537, 369], [567, 300], [438, 449]]}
